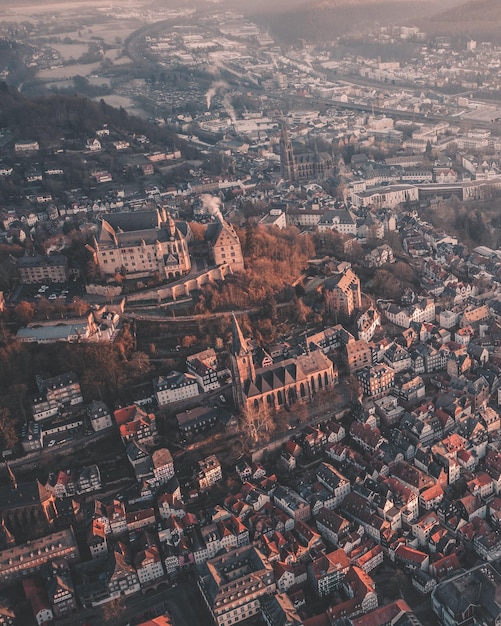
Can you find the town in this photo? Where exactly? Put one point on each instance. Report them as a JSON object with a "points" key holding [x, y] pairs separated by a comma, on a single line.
{"points": [[250, 323]]}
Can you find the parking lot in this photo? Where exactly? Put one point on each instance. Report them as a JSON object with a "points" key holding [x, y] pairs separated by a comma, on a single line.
{"points": [[53, 292]]}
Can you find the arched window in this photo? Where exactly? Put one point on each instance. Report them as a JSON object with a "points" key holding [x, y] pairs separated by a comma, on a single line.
{"points": [[302, 390]]}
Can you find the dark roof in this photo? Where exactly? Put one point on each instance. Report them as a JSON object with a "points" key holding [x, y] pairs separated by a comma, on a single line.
{"points": [[26, 494], [138, 220]]}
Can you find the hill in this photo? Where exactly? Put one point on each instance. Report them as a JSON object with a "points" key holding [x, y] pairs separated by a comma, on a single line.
{"points": [[327, 19], [48, 118], [479, 19]]}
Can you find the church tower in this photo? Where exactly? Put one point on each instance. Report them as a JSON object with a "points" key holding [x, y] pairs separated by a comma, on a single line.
{"points": [[287, 161], [242, 365]]}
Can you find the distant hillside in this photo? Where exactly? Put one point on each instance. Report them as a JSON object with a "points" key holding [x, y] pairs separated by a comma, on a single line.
{"points": [[48, 118], [475, 18], [326, 19]]}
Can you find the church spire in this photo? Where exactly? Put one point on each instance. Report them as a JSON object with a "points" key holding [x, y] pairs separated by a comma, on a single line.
{"points": [[239, 346], [241, 363], [12, 477]]}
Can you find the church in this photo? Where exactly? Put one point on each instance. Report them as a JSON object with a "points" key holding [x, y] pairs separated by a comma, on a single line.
{"points": [[302, 165], [142, 243], [279, 385]]}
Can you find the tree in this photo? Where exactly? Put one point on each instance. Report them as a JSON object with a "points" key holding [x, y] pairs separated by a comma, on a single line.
{"points": [[250, 239], [113, 612], [25, 311], [354, 388], [7, 429], [258, 424], [139, 365], [269, 308]]}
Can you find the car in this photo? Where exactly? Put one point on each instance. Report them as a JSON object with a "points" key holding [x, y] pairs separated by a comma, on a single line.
{"points": [[53, 296], [52, 442]]}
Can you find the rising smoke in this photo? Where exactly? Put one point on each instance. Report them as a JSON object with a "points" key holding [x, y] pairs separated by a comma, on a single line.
{"points": [[222, 87], [218, 85], [212, 205]]}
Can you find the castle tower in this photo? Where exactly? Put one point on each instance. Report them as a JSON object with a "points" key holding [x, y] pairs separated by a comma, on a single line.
{"points": [[242, 365], [287, 161]]}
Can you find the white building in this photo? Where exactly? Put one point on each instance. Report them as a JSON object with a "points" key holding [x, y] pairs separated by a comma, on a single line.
{"points": [[174, 387]]}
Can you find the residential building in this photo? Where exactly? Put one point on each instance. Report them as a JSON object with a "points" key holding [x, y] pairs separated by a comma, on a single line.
{"points": [[55, 394], [42, 269], [327, 572], [99, 415], [291, 503], [377, 380], [233, 583], [30, 557], [204, 367], [174, 387], [342, 291], [471, 596], [136, 424], [209, 472], [197, 420]]}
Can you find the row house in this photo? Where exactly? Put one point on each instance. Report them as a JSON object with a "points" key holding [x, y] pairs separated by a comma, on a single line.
{"points": [[174, 387], [60, 590], [368, 557], [136, 424], [367, 438], [98, 584], [326, 573], [99, 415], [404, 498], [360, 590], [68, 483], [423, 527], [411, 389], [422, 311], [410, 559], [291, 503], [288, 575], [332, 526], [148, 564], [481, 485], [397, 357], [358, 509], [334, 481], [411, 477], [359, 354], [137, 520], [492, 465], [209, 472], [430, 498], [376, 381], [204, 367]]}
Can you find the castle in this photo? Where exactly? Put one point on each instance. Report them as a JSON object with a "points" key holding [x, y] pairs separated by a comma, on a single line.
{"points": [[142, 243]]}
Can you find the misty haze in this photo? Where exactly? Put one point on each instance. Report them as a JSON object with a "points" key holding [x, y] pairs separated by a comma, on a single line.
{"points": [[250, 312]]}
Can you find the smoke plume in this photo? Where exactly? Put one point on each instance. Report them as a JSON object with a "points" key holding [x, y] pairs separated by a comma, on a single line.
{"points": [[212, 205], [218, 85]]}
